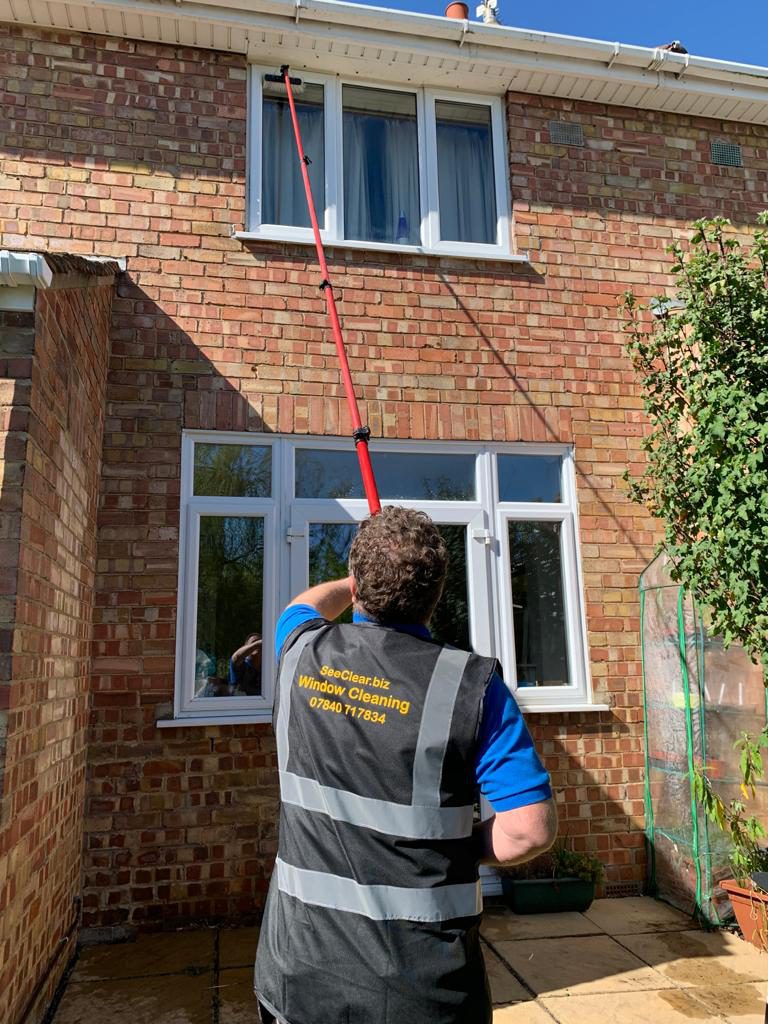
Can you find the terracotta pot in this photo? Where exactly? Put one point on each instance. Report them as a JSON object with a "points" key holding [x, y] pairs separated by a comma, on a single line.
{"points": [[751, 909], [457, 10]]}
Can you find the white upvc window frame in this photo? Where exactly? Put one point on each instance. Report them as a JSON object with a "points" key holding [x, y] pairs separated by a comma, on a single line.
{"points": [[331, 219], [286, 521]]}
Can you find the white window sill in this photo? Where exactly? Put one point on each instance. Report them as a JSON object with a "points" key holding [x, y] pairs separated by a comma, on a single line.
{"points": [[558, 709], [255, 718], [456, 252]]}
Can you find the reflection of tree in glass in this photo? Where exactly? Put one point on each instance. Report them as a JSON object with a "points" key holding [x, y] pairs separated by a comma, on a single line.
{"points": [[230, 585], [537, 598], [232, 470], [450, 623], [329, 545], [443, 488], [327, 475]]}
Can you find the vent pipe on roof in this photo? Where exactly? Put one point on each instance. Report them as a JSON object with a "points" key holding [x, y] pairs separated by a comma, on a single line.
{"points": [[457, 10], [488, 10]]}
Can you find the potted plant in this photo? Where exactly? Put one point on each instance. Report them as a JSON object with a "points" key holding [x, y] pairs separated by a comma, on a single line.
{"points": [[748, 889], [562, 879]]}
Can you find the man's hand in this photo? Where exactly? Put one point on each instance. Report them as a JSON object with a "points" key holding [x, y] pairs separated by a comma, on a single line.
{"points": [[330, 599], [513, 837]]}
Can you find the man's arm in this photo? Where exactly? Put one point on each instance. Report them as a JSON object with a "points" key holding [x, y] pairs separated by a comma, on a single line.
{"points": [[330, 599], [513, 837]]}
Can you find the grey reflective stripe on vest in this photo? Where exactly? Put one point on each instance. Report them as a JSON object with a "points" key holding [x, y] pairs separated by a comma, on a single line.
{"points": [[287, 672], [435, 726], [413, 822], [379, 902]]}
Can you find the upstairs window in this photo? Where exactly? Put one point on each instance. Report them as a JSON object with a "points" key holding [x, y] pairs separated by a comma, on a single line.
{"points": [[390, 167], [282, 186]]}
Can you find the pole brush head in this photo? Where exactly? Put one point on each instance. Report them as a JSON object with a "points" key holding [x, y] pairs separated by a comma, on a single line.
{"points": [[274, 85]]}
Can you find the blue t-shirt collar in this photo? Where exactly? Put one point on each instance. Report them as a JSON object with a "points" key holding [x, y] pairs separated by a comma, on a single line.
{"points": [[414, 628]]}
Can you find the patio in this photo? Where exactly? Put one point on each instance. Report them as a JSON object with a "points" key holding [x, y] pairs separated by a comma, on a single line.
{"points": [[625, 961]]}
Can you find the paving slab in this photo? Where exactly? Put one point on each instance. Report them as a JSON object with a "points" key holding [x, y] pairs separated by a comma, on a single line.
{"points": [[169, 1000], [737, 1004], [590, 963], [635, 914], [505, 988], [700, 959], [162, 953], [521, 1013], [500, 923], [237, 1003], [237, 947], [671, 1006]]}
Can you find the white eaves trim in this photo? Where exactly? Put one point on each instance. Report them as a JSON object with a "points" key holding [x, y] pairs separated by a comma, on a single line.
{"points": [[24, 270], [21, 273], [421, 49]]}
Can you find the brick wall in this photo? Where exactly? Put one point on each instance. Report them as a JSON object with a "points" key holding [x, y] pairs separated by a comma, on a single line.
{"points": [[147, 160], [17, 339], [56, 442]]}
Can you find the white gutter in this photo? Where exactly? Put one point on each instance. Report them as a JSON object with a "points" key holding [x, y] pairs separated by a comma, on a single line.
{"points": [[24, 270], [421, 27]]}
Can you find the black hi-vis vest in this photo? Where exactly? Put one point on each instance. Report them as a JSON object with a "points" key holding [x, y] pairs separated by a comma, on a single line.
{"points": [[374, 907]]}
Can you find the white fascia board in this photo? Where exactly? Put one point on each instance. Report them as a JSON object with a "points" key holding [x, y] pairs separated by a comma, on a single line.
{"points": [[24, 270], [429, 26], [470, 44]]}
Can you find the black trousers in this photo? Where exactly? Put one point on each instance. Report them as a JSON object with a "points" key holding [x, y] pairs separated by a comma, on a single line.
{"points": [[265, 1016]]}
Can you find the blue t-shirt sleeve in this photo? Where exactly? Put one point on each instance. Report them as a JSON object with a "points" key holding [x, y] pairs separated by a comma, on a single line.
{"points": [[508, 770], [295, 615]]}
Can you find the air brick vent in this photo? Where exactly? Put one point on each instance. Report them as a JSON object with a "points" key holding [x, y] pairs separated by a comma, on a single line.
{"points": [[618, 890], [562, 133], [726, 153]]}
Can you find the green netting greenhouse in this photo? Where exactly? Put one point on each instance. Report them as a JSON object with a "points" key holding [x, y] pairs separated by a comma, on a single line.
{"points": [[699, 699]]}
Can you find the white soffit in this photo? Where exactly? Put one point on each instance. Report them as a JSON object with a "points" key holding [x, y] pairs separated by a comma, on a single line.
{"points": [[397, 46]]}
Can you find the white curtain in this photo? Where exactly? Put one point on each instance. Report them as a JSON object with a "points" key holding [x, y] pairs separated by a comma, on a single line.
{"points": [[466, 183], [282, 188], [381, 178]]}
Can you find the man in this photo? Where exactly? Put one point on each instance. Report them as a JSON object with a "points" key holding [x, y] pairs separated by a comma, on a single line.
{"points": [[383, 738]]}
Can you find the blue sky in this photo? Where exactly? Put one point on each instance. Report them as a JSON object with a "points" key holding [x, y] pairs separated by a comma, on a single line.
{"points": [[729, 29]]}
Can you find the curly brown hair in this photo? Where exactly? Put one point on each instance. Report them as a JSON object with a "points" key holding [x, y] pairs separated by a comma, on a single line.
{"points": [[399, 561]]}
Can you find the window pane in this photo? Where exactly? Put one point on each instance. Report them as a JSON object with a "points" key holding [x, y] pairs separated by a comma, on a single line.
{"points": [[381, 166], [538, 605], [233, 470], [282, 188], [450, 623], [230, 590], [465, 176], [329, 545], [336, 474], [530, 477]]}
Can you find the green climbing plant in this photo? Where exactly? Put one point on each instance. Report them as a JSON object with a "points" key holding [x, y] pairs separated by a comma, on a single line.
{"points": [[703, 363]]}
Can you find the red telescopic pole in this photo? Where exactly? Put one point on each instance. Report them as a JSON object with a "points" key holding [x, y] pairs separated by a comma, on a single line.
{"points": [[360, 433]]}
